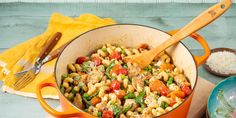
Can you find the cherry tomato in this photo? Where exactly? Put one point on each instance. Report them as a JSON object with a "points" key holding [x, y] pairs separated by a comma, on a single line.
{"points": [[122, 71], [107, 114], [97, 61], [115, 85], [164, 91], [115, 55], [120, 93], [81, 60], [115, 69], [186, 89]]}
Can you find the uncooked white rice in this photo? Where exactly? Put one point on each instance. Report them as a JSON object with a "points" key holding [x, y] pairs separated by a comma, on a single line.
{"points": [[222, 62]]}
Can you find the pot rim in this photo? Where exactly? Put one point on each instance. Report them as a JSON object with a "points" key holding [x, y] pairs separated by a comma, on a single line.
{"points": [[196, 67]]}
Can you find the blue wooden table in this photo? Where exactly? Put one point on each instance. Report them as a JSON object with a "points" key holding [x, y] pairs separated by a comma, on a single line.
{"points": [[21, 21]]}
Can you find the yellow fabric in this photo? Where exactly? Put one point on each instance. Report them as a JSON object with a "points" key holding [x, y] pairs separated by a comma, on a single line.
{"points": [[29, 50]]}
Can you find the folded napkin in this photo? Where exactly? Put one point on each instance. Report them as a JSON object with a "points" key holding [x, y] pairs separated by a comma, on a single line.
{"points": [[13, 59]]}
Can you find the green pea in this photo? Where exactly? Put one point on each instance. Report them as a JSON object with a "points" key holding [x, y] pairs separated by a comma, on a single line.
{"points": [[104, 49], [170, 81], [123, 76], [122, 51], [99, 114], [86, 96]]}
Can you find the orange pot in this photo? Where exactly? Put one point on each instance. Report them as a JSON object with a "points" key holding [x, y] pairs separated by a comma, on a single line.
{"points": [[129, 35]]}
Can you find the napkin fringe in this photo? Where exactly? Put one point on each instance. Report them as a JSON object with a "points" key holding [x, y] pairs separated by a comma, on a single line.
{"points": [[26, 94]]}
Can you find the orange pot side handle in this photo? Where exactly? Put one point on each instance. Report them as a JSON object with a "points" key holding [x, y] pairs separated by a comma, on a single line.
{"points": [[50, 110], [199, 59]]}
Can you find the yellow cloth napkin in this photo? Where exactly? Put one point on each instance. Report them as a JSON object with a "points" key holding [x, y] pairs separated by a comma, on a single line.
{"points": [[13, 59]]}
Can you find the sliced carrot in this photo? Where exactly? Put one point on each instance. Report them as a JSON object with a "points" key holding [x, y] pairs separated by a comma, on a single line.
{"points": [[157, 85], [95, 100], [179, 94]]}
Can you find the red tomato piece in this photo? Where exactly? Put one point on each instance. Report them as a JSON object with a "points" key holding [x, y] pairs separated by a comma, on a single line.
{"points": [[107, 114], [81, 60], [120, 93], [97, 61], [186, 90], [164, 91], [115, 55], [122, 71], [115, 85]]}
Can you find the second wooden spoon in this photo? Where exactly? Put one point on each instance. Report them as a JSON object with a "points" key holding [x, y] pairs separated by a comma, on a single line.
{"points": [[145, 58]]}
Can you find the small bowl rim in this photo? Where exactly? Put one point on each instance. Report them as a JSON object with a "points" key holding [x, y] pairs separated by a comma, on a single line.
{"points": [[216, 86]]}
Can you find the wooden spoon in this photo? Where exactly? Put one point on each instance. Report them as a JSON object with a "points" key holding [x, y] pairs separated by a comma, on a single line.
{"points": [[145, 58]]}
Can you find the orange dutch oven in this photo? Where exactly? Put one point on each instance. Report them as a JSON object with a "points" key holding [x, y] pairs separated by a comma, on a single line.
{"points": [[129, 35]]}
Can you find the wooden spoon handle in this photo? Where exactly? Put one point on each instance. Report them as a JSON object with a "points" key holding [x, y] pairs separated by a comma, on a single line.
{"points": [[199, 22], [49, 46]]}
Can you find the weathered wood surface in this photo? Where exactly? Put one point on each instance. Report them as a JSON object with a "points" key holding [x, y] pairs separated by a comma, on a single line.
{"points": [[21, 21]]}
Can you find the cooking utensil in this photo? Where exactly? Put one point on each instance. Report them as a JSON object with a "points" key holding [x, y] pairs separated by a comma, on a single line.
{"points": [[217, 73], [200, 21], [128, 35], [29, 75], [48, 58], [222, 100]]}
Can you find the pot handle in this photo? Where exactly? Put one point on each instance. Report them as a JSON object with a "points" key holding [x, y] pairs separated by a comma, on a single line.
{"points": [[49, 109], [199, 59]]}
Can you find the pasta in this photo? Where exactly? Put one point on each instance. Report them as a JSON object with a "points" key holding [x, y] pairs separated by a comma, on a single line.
{"points": [[105, 86]]}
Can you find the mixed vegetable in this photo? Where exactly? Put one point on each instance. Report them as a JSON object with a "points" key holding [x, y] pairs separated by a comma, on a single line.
{"points": [[105, 86]]}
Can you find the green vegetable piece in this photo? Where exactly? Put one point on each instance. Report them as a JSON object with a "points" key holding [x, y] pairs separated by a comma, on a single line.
{"points": [[127, 108], [86, 66], [125, 66], [77, 77], [122, 51], [164, 105], [129, 96], [108, 69], [86, 96], [170, 81], [62, 89], [64, 76], [148, 68], [104, 49], [146, 82], [73, 91], [81, 84], [99, 114], [123, 76], [116, 110], [140, 99]]}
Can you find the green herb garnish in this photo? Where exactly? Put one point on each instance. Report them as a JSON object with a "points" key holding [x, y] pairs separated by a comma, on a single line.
{"points": [[140, 99], [148, 68], [108, 69], [129, 96], [99, 114]]}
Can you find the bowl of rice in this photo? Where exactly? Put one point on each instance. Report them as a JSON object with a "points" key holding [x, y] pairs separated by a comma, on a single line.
{"points": [[221, 62]]}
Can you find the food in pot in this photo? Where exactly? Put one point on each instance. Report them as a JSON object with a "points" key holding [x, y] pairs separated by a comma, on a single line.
{"points": [[105, 86]]}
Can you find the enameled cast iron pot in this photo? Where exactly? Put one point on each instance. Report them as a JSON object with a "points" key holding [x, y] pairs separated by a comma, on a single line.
{"points": [[129, 35]]}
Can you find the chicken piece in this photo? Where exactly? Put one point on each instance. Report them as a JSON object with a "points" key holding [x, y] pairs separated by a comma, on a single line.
{"points": [[78, 101], [95, 76], [129, 102], [138, 83], [133, 70], [181, 80]]}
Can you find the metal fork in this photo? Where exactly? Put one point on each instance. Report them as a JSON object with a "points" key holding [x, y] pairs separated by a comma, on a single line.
{"points": [[27, 76]]}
